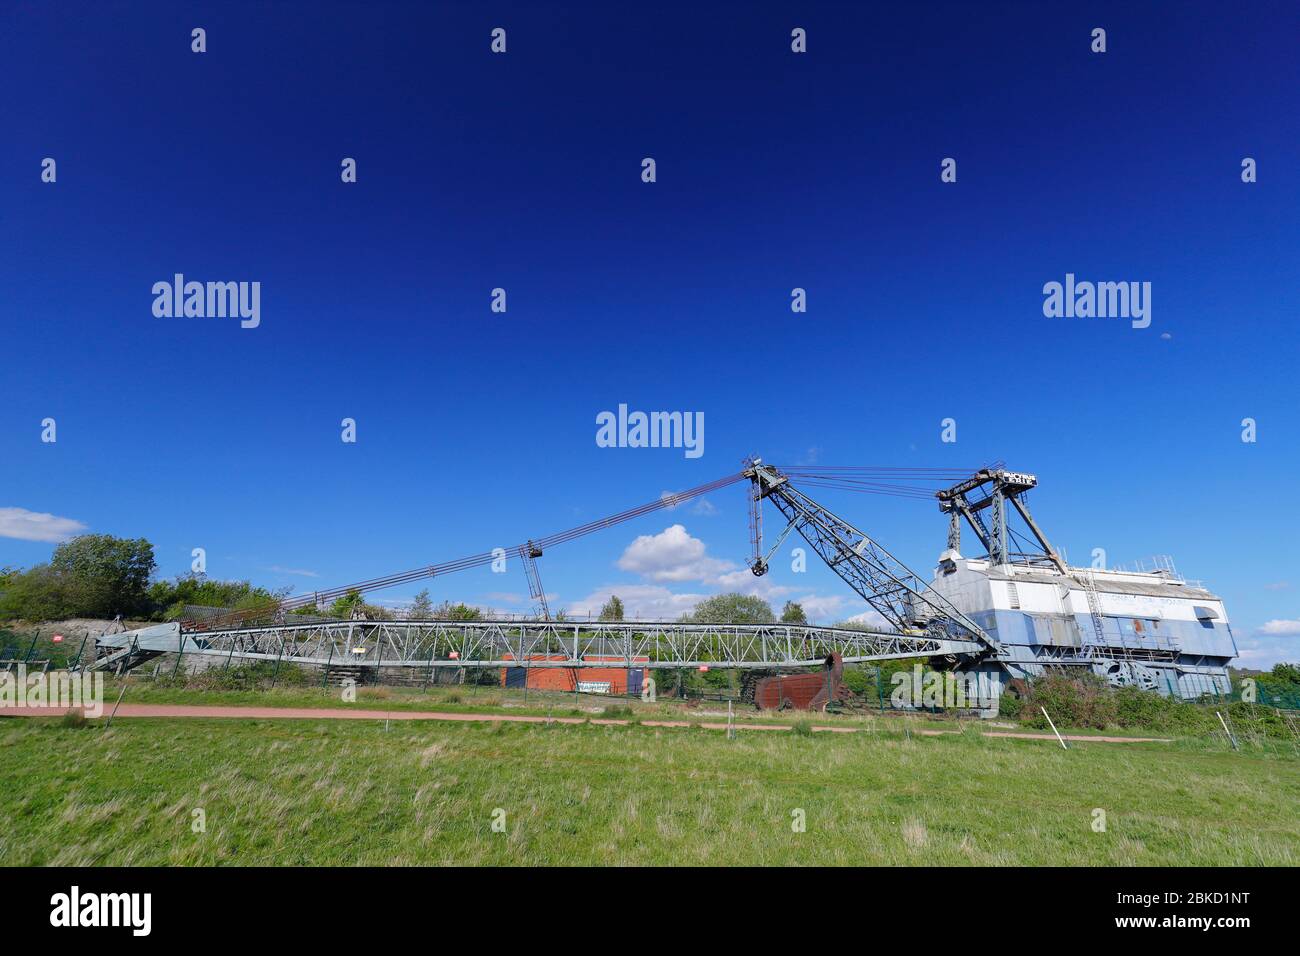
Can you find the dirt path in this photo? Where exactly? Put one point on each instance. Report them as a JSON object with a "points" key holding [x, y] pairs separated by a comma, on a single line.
{"points": [[330, 713]]}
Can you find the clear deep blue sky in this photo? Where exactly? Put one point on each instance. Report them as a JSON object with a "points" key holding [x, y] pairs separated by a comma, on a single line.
{"points": [[522, 171]]}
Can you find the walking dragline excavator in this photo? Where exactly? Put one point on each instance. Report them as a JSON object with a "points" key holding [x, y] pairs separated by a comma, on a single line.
{"points": [[1011, 613]]}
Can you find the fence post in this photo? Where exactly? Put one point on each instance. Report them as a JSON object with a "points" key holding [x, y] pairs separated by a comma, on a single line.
{"points": [[77, 663], [179, 654], [325, 674], [276, 676], [433, 646]]}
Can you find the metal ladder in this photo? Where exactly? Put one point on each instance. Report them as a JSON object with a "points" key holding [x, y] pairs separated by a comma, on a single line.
{"points": [[1094, 606], [530, 553]]}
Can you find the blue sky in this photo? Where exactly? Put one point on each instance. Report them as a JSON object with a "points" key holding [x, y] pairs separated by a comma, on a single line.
{"points": [[523, 171]]}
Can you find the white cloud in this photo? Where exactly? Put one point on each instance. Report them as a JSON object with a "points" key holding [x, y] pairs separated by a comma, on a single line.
{"points": [[647, 602], [705, 508], [743, 581], [1278, 586], [37, 526], [1281, 628], [822, 608], [1263, 653], [671, 555], [871, 618], [675, 556], [302, 573]]}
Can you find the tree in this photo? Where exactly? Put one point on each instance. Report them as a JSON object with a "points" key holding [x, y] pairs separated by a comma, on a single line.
{"points": [[345, 605], [35, 595], [1286, 673], [793, 613], [446, 611], [732, 609], [105, 575], [612, 609], [422, 609], [93, 575], [170, 598]]}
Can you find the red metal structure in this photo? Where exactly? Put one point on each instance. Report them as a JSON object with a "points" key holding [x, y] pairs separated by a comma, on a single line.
{"points": [[803, 691]]}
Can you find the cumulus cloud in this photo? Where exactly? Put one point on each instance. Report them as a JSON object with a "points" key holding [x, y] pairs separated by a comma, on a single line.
{"points": [[674, 556], [871, 618], [743, 581], [704, 507], [821, 607], [646, 602], [37, 525], [671, 555], [1261, 653], [1281, 628]]}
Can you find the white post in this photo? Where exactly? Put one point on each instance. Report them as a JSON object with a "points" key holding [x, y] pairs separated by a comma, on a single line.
{"points": [[1053, 726], [1231, 740]]}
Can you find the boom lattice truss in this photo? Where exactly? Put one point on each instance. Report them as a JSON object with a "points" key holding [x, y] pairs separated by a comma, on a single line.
{"points": [[431, 644]]}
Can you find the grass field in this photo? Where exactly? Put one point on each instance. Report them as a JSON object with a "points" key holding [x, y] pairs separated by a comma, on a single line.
{"points": [[470, 699], [353, 792]]}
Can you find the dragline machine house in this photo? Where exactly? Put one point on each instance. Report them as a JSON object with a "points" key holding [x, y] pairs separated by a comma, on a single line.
{"points": [[1150, 629], [1025, 608]]}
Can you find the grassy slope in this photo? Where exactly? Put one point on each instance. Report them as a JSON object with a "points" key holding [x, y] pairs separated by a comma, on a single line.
{"points": [[469, 699], [319, 792]]}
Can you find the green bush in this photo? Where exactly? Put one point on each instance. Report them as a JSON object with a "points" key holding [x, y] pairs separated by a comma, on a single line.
{"points": [[258, 675], [1082, 700], [860, 681], [1086, 700], [1010, 706]]}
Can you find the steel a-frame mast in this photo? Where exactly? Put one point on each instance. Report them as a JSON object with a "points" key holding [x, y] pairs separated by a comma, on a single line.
{"points": [[994, 489], [900, 595]]}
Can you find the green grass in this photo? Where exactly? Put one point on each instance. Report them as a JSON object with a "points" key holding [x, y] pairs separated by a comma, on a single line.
{"points": [[351, 792], [471, 699]]}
